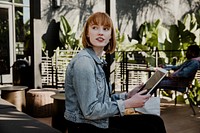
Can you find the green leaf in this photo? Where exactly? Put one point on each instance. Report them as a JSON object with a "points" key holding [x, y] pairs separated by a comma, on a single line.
{"points": [[181, 26], [64, 25]]}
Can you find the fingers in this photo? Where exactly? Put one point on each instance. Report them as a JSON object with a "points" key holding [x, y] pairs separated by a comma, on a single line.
{"points": [[146, 96], [142, 92], [141, 85]]}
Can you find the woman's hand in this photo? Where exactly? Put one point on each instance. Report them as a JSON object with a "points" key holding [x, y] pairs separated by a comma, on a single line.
{"points": [[197, 58], [138, 100], [134, 91]]}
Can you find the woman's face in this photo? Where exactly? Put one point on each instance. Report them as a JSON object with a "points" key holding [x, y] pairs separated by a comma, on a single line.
{"points": [[99, 35]]}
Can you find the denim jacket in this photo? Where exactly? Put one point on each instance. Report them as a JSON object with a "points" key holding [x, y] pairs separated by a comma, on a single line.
{"points": [[186, 70], [87, 92]]}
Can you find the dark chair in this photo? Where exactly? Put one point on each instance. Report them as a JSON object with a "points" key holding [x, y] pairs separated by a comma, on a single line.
{"points": [[186, 89]]}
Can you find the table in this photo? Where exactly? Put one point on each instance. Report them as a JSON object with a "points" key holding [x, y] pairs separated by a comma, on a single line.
{"points": [[149, 70], [39, 102], [15, 95], [58, 120]]}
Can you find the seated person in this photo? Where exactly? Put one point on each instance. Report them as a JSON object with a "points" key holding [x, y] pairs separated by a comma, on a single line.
{"points": [[184, 73]]}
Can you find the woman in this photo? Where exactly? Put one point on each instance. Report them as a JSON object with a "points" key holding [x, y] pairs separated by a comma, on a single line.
{"points": [[89, 103]]}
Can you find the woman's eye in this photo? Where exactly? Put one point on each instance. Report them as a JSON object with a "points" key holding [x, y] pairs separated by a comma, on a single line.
{"points": [[106, 28], [94, 27]]}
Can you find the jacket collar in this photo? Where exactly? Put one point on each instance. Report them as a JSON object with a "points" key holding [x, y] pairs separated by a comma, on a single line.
{"points": [[95, 57]]}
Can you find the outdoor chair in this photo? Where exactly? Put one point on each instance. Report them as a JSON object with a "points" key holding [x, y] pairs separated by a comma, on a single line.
{"points": [[186, 89]]}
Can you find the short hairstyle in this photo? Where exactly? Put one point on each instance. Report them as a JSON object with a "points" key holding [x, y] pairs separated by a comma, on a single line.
{"points": [[100, 18], [192, 51]]}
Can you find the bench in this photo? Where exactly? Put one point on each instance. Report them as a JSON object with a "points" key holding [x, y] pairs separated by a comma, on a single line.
{"points": [[13, 120]]}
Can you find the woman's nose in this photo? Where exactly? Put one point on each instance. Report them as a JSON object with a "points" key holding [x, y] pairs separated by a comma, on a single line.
{"points": [[100, 32]]}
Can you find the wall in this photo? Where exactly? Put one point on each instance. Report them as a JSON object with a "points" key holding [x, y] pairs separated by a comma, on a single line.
{"points": [[130, 14], [75, 11]]}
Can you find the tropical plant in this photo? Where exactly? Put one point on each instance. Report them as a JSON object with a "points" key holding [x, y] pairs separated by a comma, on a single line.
{"points": [[185, 33], [163, 43], [67, 36], [123, 44], [195, 93], [151, 38], [170, 42], [191, 24]]}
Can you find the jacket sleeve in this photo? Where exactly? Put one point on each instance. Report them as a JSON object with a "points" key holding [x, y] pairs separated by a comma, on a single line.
{"points": [[188, 70], [118, 96]]}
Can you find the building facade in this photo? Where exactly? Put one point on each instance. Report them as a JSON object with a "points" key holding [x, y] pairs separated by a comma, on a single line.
{"points": [[23, 23]]}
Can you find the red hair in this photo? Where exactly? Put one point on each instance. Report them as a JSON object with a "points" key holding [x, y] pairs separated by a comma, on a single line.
{"points": [[100, 18]]}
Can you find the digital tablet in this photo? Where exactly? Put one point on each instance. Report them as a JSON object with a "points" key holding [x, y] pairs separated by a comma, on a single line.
{"points": [[153, 81]]}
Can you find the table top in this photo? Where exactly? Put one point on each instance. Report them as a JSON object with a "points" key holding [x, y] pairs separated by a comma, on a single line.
{"points": [[58, 96], [12, 88], [142, 69]]}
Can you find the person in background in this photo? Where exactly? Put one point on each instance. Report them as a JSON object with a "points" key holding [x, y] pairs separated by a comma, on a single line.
{"points": [[183, 73], [89, 106]]}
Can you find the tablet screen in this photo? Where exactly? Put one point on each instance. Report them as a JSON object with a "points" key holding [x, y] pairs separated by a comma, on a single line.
{"points": [[154, 80]]}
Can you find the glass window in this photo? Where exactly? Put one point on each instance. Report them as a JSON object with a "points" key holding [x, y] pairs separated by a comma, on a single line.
{"points": [[7, 0], [22, 25], [4, 42], [25, 2]]}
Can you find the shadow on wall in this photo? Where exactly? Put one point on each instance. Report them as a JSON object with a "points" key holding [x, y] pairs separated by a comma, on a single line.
{"points": [[132, 13], [51, 37]]}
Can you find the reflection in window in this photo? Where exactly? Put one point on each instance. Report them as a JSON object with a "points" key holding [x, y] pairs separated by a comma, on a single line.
{"points": [[25, 2], [22, 24], [7, 0], [4, 42]]}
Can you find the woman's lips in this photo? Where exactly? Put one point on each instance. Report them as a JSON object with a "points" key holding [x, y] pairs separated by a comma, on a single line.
{"points": [[100, 39]]}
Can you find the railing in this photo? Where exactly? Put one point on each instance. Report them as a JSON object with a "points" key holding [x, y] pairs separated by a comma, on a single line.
{"points": [[53, 69], [48, 72]]}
